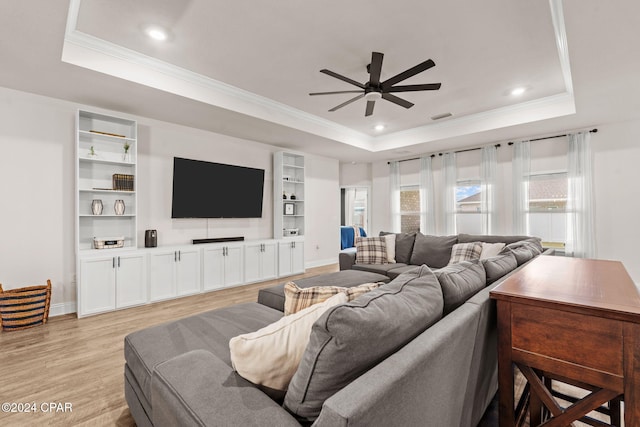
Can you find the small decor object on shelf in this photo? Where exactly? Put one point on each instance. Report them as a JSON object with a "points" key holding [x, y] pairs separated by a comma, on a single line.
{"points": [[122, 182], [118, 207], [289, 209], [284, 196], [126, 157], [25, 307], [96, 207], [92, 153], [108, 242], [292, 197]]}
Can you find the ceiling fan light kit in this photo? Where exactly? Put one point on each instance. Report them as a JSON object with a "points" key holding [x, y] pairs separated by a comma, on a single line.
{"points": [[374, 90]]}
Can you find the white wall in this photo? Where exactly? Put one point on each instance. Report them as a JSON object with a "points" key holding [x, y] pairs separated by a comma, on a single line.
{"points": [[616, 149], [37, 187]]}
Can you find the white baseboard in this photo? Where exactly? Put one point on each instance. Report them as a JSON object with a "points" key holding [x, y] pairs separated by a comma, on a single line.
{"points": [[321, 262], [62, 308]]}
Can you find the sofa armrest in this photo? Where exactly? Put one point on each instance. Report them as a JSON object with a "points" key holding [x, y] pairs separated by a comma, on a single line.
{"points": [[347, 258], [198, 389]]}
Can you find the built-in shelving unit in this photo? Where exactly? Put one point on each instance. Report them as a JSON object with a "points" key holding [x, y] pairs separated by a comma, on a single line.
{"points": [[100, 153], [289, 195]]}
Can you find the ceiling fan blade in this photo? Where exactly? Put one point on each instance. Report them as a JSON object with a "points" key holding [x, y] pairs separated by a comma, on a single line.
{"points": [[375, 68], [348, 102], [408, 73], [401, 102], [343, 78], [369, 110], [335, 93], [412, 88]]}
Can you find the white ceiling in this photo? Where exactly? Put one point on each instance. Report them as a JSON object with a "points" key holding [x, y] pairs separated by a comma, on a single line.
{"points": [[246, 68]]}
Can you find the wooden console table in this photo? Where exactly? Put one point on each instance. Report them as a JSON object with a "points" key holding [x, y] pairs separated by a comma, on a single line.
{"points": [[574, 320]]}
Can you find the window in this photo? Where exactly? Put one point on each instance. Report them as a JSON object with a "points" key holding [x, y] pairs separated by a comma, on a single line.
{"points": [[355, 204], [468, 211], [547, 208], [409, 209]]}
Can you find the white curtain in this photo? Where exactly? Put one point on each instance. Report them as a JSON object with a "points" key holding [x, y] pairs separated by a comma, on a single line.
{"points": [[427, 211], [394, 195], [349, 205], [488, 202], [450, 177], [521, 170], [580, 216]]}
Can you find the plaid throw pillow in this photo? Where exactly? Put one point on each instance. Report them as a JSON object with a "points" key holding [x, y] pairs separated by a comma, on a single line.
{"points": [[371, 250], [465, 252], [296, 299]]}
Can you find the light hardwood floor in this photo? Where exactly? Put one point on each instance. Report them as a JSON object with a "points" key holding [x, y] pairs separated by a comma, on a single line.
{"points": [[81, 361]]}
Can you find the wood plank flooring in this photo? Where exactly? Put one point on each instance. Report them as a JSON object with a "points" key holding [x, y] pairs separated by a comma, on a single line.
{"points": [[81, 361]]}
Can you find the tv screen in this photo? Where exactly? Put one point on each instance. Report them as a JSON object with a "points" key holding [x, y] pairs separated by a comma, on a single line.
{"points": [[215, 190]]}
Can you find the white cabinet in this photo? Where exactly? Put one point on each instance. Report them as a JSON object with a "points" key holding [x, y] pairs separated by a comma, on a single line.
{"points": [[291, 257], [107, 283], [222, 266], [288, 194], [260, 261], [174, 272]]}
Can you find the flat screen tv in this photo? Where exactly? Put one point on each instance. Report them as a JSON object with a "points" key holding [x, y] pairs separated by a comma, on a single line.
{"points": [[215, 190]]}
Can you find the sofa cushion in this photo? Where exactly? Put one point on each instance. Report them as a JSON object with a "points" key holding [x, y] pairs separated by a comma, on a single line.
{"points": [[465, 238], [270, 356], [490, 249], [211, 331], [465, 252], [351, 338], [395, 272], [371, 250], [391, 247], [499, 265], [296, 298], [378, 268], [434, 251], [460, 282], [404, 245], [520, 250], [273, 296]]}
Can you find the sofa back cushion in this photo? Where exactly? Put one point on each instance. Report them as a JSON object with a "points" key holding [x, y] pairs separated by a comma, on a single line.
{"points": [[350, 339], [460, 282], [499, 265], [524, 250], [404, 245], [434, 251]]}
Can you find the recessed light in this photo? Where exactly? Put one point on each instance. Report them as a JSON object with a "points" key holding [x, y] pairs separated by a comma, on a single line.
{"points": [[157, 33], [518, 91], [378, 128]]}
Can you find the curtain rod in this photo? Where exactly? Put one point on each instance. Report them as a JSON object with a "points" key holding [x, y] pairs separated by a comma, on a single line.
{"points": [[595, 130]]}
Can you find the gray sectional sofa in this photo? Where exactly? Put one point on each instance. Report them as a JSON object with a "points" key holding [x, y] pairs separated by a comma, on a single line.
{"points": [[419, 350]]}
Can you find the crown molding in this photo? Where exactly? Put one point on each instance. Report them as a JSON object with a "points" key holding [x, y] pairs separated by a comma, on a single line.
{"points": [[90, 52]]}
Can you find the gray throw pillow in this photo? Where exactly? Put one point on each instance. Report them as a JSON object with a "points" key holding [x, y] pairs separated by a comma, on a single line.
{"points": [[434, 251], [404, 246], [466, 238], [523, 250], [497, 266], [460, 282], [351, 338]]}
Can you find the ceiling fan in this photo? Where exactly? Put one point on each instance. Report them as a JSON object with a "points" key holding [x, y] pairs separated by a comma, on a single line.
{"points": [[374, 89]]}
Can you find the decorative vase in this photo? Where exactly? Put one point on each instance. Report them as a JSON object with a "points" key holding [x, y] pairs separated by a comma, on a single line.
{"points": [[96, 207], [293, 197], [126, 157], [118, 207]]}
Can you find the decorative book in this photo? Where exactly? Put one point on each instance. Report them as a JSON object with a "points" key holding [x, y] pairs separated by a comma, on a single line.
{"points": [[122, 182]]}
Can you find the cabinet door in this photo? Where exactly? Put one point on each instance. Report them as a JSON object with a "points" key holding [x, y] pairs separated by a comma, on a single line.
{"points": [[162, 283], [297, 257], [213, 261], [252, 261], [284, 259], [233, 267], [131, 280], [270, 261], [97, 286], [188, 272]]}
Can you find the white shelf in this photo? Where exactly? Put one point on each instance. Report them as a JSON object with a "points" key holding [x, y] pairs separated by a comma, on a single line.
{"points": [[105, 161], [292, 166], [86, 133], [292, 181], [107, 216], [95, 190], [288, 179]]}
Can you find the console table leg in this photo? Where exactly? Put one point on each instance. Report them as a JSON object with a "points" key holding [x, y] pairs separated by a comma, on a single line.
{"points": [[505, 366]]}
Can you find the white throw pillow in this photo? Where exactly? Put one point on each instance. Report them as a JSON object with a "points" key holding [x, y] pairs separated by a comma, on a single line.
{"points": [[490, 250], [391, 247], [270, 356]]}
